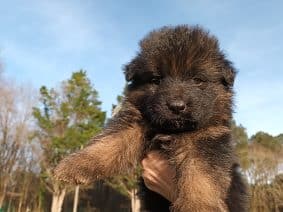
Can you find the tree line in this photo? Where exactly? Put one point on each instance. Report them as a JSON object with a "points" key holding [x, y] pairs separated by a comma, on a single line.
{"points": [[37, 129], [261, 159]]}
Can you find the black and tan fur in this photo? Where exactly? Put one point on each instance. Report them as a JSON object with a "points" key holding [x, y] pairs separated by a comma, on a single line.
{"points": [[178, 100]]}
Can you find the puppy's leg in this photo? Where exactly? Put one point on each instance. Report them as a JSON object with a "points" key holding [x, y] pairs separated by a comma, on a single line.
{"points": [[204, 162], [198, 191], [116, 150]]}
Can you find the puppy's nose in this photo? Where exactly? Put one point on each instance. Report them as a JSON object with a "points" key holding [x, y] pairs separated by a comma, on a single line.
{"points": [[177, 105]]}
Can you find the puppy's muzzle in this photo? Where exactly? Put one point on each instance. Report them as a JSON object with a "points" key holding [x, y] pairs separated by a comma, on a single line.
{"points": [[176, 106]]}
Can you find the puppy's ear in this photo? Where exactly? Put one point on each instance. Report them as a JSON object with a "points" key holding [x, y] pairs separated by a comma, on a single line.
{"points": [[132, 69], [129, 72], [228, 75]]}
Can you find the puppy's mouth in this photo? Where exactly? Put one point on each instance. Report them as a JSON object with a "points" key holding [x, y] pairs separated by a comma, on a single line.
{"points": [[178, 125], [173, 124], [162, 118]]}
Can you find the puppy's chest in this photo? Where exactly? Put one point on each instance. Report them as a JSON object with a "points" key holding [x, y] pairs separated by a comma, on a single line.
{"points": [[186, 146]]}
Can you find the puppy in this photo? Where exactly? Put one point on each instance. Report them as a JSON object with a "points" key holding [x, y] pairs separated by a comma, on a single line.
{"points": [[178, 100]]}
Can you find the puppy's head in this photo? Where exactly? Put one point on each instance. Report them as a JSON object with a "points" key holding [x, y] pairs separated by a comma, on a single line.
{"points": [[180, 80]]}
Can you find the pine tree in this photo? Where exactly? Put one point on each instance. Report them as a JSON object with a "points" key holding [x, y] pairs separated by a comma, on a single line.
{"points": [[67, 118]]}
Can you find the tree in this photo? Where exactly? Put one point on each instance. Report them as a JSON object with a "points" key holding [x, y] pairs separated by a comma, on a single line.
{"points": [[278, 187], [127, 185], [267, 141], [240, 140], [279, 138], [15, 128], [67, 118], [259, 158], [264, 156]]}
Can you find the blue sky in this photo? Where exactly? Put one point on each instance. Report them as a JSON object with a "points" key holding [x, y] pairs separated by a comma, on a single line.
{"points": [[43, 42]]}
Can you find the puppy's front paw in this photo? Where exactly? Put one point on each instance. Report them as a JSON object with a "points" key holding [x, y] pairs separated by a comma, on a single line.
{"points": [[74, 170]]}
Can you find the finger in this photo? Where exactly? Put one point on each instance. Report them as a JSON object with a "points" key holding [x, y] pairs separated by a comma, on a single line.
{"points": [[150, 159], [152, 154], [144, 163], [150, 175]]}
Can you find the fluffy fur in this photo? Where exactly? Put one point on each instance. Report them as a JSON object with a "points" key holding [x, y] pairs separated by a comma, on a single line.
{"points": [[178, 100]]}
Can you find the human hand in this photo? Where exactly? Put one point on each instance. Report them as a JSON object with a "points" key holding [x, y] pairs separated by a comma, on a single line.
{"points": [[158, 175]]}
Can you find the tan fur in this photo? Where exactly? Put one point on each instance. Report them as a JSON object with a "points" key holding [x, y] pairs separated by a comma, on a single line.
{"points": [[198, 187], [198, 191], [110, 153], [196, 140]]}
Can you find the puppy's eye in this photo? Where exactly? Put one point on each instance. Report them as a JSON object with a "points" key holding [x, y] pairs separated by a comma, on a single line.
{"points": [[198, 81], [155, 80]]}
